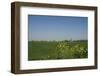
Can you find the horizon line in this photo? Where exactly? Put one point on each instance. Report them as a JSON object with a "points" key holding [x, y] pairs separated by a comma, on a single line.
{"points": [[60, 40]]}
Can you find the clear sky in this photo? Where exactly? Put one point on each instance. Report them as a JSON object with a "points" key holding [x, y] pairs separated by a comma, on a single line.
{"points": [[57, 28]]}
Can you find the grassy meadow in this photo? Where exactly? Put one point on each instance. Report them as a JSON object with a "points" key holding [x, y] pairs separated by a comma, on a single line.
{"points": [[50, 50]]}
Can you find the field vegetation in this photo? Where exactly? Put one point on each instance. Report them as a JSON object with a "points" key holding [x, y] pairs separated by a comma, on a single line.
{"points": [[66, 49]]}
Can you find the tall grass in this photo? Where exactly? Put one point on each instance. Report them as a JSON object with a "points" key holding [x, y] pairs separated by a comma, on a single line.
{"points": [[46, 50]]}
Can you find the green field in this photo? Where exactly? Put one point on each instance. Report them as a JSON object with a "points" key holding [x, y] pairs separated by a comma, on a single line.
{"points": [[47, 50]]}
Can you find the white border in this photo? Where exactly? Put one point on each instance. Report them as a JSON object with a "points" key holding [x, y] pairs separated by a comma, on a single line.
{"points": [[25, 64]]}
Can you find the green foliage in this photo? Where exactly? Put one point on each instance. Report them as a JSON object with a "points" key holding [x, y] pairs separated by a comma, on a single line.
{"points": [[44, 50]]}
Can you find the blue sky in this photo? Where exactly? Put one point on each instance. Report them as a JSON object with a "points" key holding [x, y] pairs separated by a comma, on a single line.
{"points": [[50, 28]]}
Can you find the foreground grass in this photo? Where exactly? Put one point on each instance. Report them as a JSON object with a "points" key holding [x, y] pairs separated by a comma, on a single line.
{"points": [[46, 50]]}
